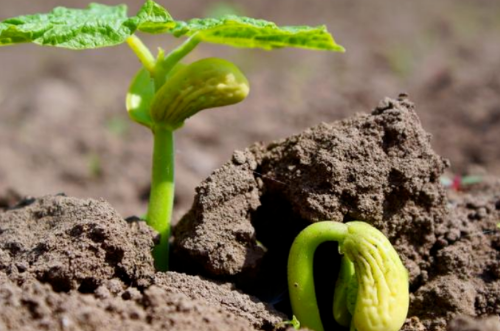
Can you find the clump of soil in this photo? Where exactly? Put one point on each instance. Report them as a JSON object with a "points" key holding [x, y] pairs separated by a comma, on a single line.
{"points": [[260, 315], [73, 244], [34, 306], [379, 168], [8, 199], [71, 264]]}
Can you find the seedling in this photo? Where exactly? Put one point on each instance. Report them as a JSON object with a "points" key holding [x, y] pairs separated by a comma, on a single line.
{"points": [[165, 92], [294, 323], [372, 289]]}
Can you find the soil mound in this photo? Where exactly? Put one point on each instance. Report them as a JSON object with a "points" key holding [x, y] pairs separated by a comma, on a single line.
{"points": [[71, 264], [73, 244], [261, 315], [379, 168], [35, 306]]}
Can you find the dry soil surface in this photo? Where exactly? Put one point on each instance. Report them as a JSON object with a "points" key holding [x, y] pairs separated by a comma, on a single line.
{"points": [[72, 264], [379, 168]]}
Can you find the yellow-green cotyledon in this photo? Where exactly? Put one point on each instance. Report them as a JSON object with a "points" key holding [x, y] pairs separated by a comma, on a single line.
{"points": [[372, 291], [203, 84]]}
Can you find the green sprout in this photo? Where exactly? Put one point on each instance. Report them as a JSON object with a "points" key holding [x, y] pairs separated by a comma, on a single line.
{"points": [[294, 323], [372, 289], [165, 92]]}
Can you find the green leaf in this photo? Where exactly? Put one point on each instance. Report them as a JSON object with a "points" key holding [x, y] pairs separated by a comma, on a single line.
{"points": [[101, 26], [247, 32], [139, 97], [154, 18], [96, 26]]}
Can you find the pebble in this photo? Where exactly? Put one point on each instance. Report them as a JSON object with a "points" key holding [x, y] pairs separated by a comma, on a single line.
{"points": [[239, 157]]}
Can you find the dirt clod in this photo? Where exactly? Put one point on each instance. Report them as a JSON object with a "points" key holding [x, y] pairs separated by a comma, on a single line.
{"points": [[74, 244], [35, 306], [71, 264], [379, 168], [262, 316]]}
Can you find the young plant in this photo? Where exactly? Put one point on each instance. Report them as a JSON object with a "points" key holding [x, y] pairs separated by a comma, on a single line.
{"points": [[372, 289], [165, 92]]}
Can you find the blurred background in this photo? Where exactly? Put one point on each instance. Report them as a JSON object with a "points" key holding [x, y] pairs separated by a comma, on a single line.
{"points": [[64, 127]]}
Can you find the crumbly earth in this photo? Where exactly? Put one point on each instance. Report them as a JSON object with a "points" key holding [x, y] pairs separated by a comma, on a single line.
{"points": [[260, 315], [464, 273], [73, 244], [34, 306], [71, 264], [379, 168]]}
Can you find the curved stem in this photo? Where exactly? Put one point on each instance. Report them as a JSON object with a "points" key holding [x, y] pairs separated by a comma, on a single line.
{"points": [[161, 198], [300, 270], [143, 53]]}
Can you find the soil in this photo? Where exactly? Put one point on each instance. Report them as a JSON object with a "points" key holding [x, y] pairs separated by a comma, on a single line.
{"points": [[379, 168], [73, 263], [70, 264]]}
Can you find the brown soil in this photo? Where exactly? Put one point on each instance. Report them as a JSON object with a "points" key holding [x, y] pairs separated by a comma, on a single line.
{"points": [[379, 168], [69, 264], [73, 244]]}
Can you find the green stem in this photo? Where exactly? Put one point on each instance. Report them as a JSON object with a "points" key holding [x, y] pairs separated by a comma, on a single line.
{"points": [[300, 270], [165, 65], [161, 198], [147, 59]]}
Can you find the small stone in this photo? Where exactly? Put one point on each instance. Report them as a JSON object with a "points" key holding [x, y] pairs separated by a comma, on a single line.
{"points": [[22, 266], [384, 104], [403, 96], [239, 157], [114, 286], [102, 292], [253, 164]]}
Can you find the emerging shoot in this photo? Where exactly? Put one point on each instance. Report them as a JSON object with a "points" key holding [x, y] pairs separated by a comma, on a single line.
{"points": [[371, 292]]}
